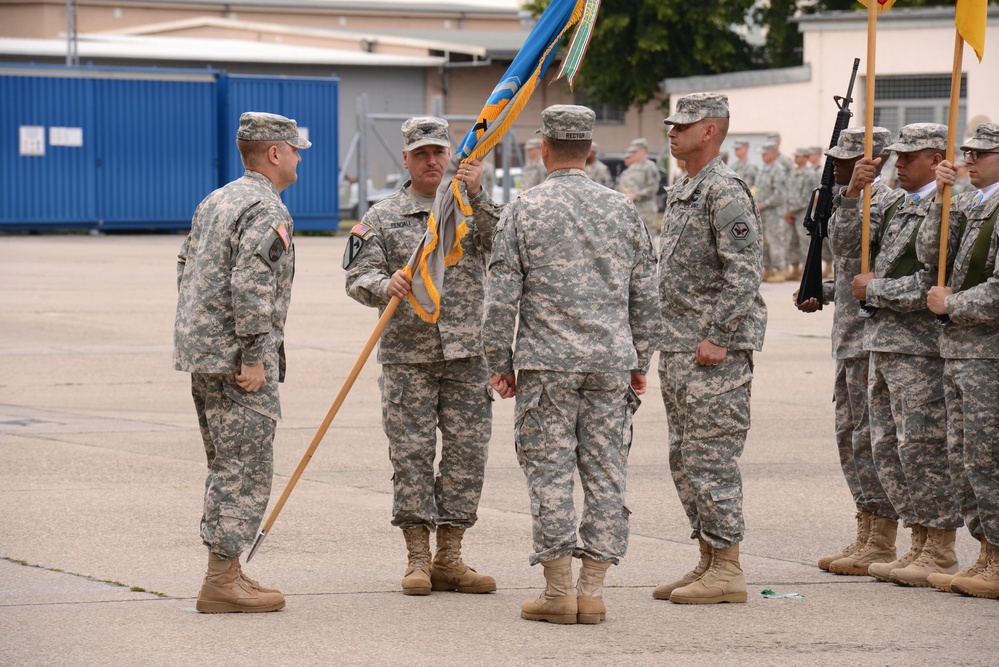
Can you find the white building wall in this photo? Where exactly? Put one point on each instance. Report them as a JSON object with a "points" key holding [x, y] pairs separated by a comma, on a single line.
{"points": [[908, 42]]}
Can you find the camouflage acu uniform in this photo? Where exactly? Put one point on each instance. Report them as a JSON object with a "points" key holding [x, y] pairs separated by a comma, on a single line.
{"points": [[969, 343], [771, 195], [853, 432], [234, 278], [598, 172], [905, 387], [434, 376], [801, 183], [747, 171], [710, 268], [533, 174], [573, 259], [641, 179], [488, 180]]}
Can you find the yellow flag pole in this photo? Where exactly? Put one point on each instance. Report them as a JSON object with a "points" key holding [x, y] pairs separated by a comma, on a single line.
{"points": [[865, 230], [318, 437], [955, 94]]}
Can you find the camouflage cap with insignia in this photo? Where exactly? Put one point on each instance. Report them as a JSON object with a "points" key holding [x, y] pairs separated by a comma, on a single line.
{"points": [[698, 106], [986, 138], [533, 142], [851, 143], [919, 136], [260, 126], [425, 131], [567, 122]]}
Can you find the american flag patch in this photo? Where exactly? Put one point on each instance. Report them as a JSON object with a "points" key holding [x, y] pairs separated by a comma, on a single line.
{"points": [[360, 229], [282, 231]]}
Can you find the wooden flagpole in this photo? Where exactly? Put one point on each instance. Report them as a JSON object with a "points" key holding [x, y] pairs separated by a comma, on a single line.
{"points": [[955, 94], [318, 437], [865, 230]]}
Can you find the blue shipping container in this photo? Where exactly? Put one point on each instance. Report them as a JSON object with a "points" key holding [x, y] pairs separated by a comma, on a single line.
{"points": [[85, 147]]}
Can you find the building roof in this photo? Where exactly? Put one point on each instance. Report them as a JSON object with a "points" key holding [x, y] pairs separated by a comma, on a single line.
{"points": [[180, 49], [759, 77], [421, 6], [899, 18]]}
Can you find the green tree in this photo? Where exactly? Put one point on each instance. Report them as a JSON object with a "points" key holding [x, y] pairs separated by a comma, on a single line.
{"points": [[638, 43]]}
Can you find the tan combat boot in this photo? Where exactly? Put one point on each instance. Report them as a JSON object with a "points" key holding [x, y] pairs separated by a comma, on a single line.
{"points": [[449, 572], [942, 581], [723, 582], [417, 578], [663, 591], [882, 571], [557, 603], [985, 584], [794, 272], [880, 548], [774, 276], [863, 532], [937, 556], [225, 590], [590, 607]]}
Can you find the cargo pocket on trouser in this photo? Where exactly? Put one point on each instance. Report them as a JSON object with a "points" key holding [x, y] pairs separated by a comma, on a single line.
{"points": [[234, 529], [715, 436]]}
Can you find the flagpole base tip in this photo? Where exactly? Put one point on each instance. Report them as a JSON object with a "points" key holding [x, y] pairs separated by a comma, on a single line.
{"points": [[256, 544]]}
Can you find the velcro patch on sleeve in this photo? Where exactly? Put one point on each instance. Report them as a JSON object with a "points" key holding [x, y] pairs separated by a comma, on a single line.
{"points": [[360, 229], [354, 244], [737, 224], [272, 248]]}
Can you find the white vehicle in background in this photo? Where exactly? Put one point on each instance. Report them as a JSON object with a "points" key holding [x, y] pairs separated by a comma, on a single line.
{"points": [[498, 189]]}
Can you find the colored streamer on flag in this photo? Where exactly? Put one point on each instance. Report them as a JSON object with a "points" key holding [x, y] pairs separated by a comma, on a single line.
{"points": [[885, 5], [449, 218], [970, 17]]}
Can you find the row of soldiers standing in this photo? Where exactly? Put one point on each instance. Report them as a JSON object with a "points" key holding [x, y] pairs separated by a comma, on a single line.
{"points": [[783, 189]]}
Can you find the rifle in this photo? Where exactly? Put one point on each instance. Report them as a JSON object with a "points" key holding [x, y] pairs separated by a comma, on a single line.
{"points": [[819, 210]]}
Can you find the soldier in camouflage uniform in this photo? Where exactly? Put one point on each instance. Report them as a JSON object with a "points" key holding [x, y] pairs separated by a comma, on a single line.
{"points": [[534, 171], [710, 267], [596, 170], [771, 200], [801, 183], [488, 179], [905, 377], [434, 376], [640, 181], [853, 434], [746, 170], [783, 160], [234, 276], [969, 344], [588, 327]]}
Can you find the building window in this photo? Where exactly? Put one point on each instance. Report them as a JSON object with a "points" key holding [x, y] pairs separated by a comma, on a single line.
{"points": [[901, 100], [607, 114]]}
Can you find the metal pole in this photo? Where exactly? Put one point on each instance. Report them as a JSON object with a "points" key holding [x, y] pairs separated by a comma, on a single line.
{"points": [[362, 155], [72, 49]]}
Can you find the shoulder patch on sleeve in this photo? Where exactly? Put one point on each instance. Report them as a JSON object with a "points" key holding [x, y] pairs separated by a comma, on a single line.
{"points": [[360, 229], [737, 224], [272, 247], [354, 244]]}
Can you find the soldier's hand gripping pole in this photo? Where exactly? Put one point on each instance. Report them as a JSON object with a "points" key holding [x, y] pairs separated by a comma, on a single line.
{"points": [[820, 206], [344, 390]]}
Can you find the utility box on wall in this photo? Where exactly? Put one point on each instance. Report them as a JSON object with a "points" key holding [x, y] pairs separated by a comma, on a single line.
{"points": [[96, 148]]}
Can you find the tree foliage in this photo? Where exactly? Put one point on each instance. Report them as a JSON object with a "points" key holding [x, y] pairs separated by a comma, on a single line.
{"points": [[638, 43]]}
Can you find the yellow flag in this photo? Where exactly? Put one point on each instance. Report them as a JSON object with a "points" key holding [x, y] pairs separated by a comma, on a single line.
{"points": [[885, 5], [970, 18]]}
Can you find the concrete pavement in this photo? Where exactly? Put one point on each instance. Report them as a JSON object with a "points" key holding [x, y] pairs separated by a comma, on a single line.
{"points": [[102, 470]]}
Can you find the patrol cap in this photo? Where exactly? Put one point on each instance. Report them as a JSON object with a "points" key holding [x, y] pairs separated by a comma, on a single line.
{"points": [[768, 146], [533, 142], [918, 136], [425, 131], [260, 126], [698, 106], [639, 144], [802, 152], [986, 138], [851, 143], [740, 143], [774, 137], [567, 122], [815, 150]]}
